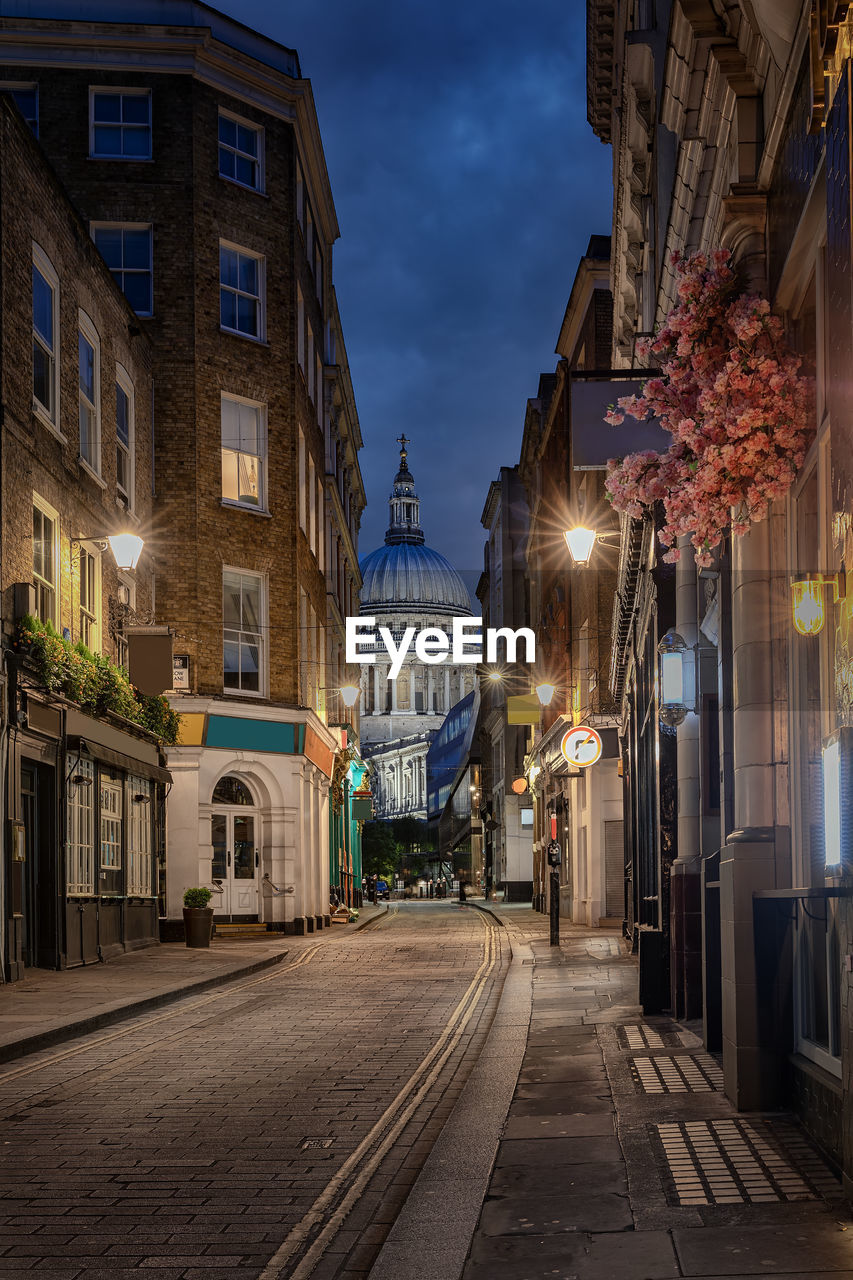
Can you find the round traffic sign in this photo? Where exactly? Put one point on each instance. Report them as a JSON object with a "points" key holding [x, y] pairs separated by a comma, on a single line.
{"points": [[581, 745]]}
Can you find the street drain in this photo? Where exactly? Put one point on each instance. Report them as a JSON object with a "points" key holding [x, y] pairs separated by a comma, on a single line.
{"points": [[737, 1162], [643, 1038], [316, 1142], [686, 1073]]}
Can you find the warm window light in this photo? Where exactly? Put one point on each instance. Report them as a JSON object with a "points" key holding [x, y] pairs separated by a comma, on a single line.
{"points": [[349, 694], [580, 542], [127, 548], [545, 692]]}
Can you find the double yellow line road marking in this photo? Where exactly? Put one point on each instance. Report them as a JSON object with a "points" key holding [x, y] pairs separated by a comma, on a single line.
{"points": [[344, 1188]]}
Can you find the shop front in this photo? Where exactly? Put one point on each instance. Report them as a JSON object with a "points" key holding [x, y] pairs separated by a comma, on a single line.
{"points": [[85, 800]]}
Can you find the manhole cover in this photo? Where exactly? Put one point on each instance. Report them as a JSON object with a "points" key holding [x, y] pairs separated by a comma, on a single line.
{"points": [[684, 1073], [316, 1142]]}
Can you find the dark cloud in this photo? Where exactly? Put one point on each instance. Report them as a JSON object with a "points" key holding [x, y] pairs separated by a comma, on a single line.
{"points": [[467, 183]]}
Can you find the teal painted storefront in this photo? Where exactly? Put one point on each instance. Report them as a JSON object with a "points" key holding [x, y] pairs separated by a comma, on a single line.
{"points": [[349, 808]]}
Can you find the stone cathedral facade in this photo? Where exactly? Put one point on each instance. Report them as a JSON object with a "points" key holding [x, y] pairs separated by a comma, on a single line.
{"points": [[407, 584]]}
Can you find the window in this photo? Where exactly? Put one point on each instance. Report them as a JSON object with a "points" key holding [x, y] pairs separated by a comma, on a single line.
{"points": [[127, 251], [243, 631], [125, 438], [26, 99], [241, 291], [303, 485], [140, 863], [300, 328], [80, 850], [318, 271], [120, 124], [111, 823], [300, 195], [243, 452], [232, 791], [241, 151], [45, 559], [312, 508], [89, 397], [127, 603], [90, 593], [45, 335]]}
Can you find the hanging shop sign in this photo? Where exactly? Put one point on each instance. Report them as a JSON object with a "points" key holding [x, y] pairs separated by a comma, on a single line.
{"points": [[581, 746]]}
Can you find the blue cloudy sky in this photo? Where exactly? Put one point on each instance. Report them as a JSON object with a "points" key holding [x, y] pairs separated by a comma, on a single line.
{"points": [[467, 183]]}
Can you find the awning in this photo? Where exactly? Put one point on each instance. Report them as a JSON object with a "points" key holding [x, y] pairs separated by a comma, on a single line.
{"points": [[117, 759]]}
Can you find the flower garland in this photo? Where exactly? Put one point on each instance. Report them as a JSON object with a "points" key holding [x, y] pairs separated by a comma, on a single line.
{"points": [[731, 395]]}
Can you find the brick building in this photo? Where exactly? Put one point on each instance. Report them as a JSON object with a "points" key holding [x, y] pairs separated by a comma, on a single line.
{"points": [[562, 459], [82, 786], [193, 155]]}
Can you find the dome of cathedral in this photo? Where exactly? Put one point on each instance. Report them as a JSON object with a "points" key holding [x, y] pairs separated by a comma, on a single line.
{"points": [[405, 573], [411, 576]]}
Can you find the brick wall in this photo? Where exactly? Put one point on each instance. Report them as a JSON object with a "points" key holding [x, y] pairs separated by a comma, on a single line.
{"points": [[191, 208], [36, 457]]}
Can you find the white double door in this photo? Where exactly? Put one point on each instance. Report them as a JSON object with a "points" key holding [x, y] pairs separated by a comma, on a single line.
{"points": [[236, 861]]}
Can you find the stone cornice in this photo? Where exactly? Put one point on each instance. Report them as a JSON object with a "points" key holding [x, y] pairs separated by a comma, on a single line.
{"points": [[181, 51]]}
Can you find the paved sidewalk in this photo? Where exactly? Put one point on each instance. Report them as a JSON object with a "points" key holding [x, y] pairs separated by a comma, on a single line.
{"points": [[48, 1006], [621, 1158]]}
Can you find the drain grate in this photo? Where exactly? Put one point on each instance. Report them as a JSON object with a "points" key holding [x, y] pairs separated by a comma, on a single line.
{"points": [[315, 1142], [686, 1073], [738, 1162], [643, 1038]]}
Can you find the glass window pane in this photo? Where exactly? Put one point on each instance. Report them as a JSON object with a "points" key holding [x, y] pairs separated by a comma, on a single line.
{"points": [[137, 248], [227, 131], [231, 599], [244, 171], [227, 309], [248, 274], [230, 424], [108, 240], [107, 106], [107, 140], [226, 162], [122, 469], [231, 664], [251, 603], [137, 290], [247, 140], [249, 433], [219, 840], [230, 487], [87, 368], [228, 267], [122, 415], [42, 376], [247, 315], [136, 142], [86, 432], [248, 482], [42, 307], [250, 667], [136, 108]]}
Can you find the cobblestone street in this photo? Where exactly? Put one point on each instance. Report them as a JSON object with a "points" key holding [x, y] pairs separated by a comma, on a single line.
{"points": [[225, 1134]]}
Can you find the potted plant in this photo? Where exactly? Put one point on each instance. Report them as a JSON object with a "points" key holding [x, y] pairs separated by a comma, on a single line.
{"points": [[198, 917]]}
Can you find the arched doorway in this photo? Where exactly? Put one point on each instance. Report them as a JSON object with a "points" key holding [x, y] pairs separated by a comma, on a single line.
{"points": [[235, 836]]}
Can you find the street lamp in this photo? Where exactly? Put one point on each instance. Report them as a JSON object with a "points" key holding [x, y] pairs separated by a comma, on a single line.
{"points": [[581, 541], [545, 692], [673, 650], [126, 547], [808, 604], [349, 694]]}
